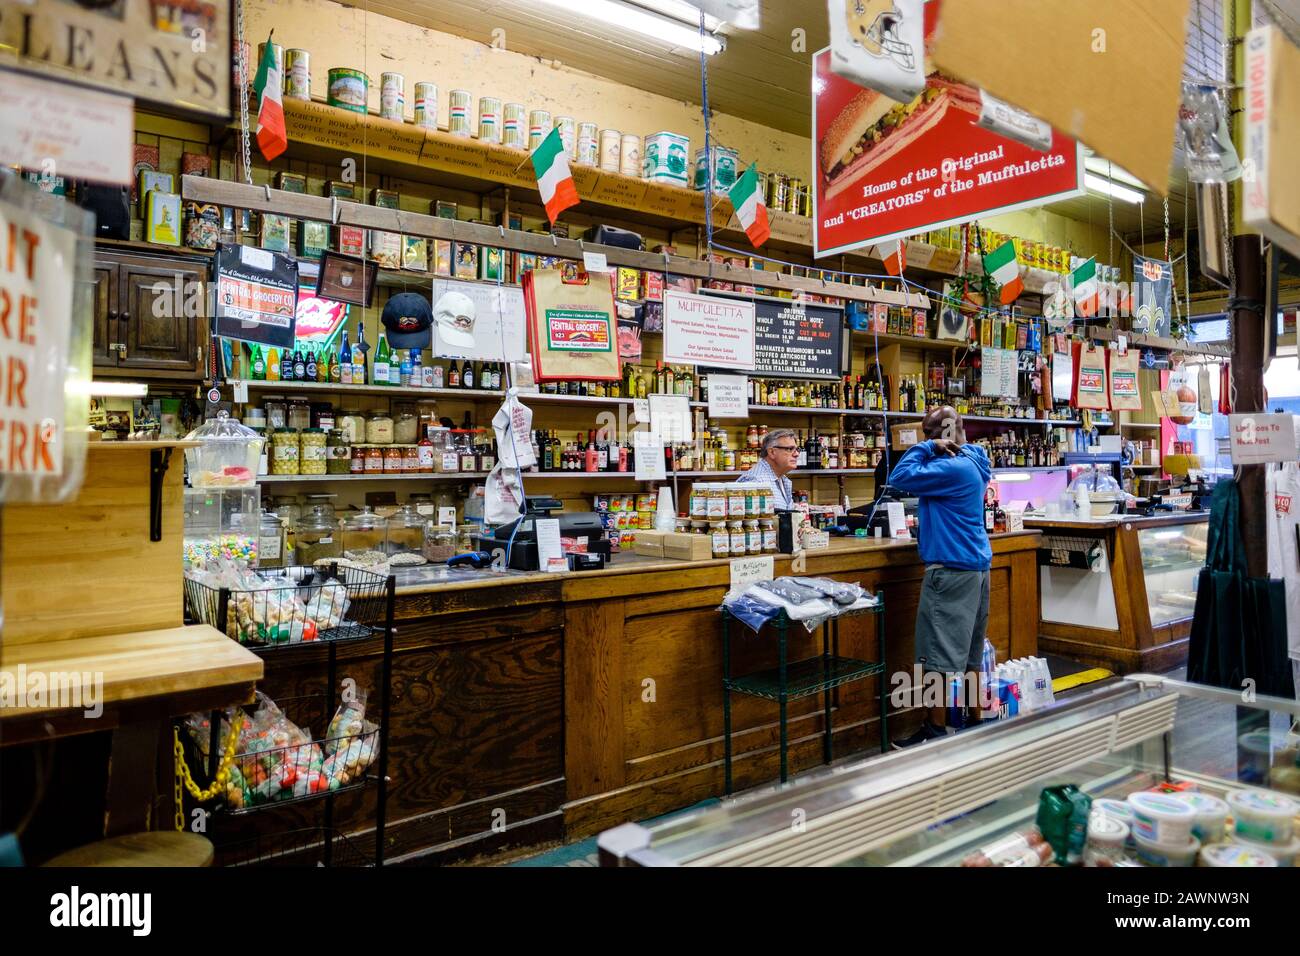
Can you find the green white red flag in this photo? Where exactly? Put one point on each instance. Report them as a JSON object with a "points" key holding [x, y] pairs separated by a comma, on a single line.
{"points": [[894, 254], [1002, 267], [747, 200], [554, 181], [272, 139], [1083, 280]]}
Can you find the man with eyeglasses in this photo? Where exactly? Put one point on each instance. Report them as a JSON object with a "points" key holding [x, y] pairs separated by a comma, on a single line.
{"points": [[780, 457], [949, 477]]}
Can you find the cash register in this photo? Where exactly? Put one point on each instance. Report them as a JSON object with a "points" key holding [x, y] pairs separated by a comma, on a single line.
{"points": [[519, 538]]}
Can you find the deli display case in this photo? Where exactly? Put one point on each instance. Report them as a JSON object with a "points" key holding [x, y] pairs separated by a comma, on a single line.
{"points": [[979, 797], [1118, 591]]}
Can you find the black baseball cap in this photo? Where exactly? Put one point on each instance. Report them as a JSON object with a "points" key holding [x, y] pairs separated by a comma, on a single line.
{"points": [[407, 318]]}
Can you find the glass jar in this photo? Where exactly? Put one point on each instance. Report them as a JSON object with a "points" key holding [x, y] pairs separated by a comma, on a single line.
{"points": [[737, 537], [439, 542], [682, 525], [753, 537], [338, 459], [374, 460], [406, 536], [699, 503], [394, 460], [379, 429], [751, 436], [410, 459], [736, 502], [270, 541], [276, 412], [426, 411], [365, 537], [357, 464], [768, 528], [284, 452], [353, 426], [445, 459], [465, 536], [717, 504], [468, 457], [316, 537], [299, 415], [287, 509], [721, 538], [311, 455], [406, 426]]}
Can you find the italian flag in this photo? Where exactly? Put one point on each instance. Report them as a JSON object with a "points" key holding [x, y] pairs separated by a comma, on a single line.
{"points": [[271, 137], [1003, 269], [894, 254], [749, 206], [1086, 291], [554, 181]]}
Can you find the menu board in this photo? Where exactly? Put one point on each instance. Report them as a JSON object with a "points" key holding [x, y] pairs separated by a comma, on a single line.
{"points": [[797, 339]]}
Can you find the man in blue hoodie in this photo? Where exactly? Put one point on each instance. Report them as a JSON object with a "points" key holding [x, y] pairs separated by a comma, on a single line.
{"points": [[950, 478]]}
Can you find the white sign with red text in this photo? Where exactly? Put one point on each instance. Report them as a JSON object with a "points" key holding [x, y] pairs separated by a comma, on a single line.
{"points": [[1259, 438], [704, 330]]}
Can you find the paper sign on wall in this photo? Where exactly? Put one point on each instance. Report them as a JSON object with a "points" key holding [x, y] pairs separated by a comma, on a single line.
{"points": [[728, 396], [495, 331], [550, 555], [1258, 438], [998, 372], [36, 302], [641, 410], [745, 571], [74, 132], [670, 417], [897, 520], [650, 464], [705, 330]]}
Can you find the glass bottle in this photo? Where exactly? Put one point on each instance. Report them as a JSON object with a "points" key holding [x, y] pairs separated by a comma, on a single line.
{"points": [[379, 370], [344, 363]]}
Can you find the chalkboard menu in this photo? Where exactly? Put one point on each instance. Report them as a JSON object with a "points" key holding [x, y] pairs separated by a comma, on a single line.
{"points": [[796, 339]]}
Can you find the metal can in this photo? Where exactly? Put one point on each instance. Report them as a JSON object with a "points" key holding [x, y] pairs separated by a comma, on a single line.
{"points": [[459, 103], [610, 150], [629, 155], [588, 145], [348, 89], [426, 105], [297, 74], [489, 119], [539, 125], [762, 184], [514, 130], [392, 96], [778, 191], [277, 52], [568, 135], [797, 187]]}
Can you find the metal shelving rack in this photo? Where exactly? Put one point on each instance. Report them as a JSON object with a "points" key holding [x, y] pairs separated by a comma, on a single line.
{"points": [[806, 678]]}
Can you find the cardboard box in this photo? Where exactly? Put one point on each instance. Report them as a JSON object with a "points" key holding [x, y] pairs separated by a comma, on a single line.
{"points": [[904, 436], [650, 543], [1271, 198], [687, 547]]}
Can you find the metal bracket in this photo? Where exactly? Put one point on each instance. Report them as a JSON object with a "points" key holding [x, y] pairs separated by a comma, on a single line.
{"points": [[159, 460]]}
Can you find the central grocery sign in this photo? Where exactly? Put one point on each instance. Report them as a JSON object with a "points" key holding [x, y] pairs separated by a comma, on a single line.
{"points": [[883, 170]]}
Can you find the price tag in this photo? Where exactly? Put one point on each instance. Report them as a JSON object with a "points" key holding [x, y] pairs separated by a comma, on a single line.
{"points": [[447, 516], [1121, 344], [745, 571], [670, 416], [728, 396], [650, 465], [897, 519], [595, 262], [641, 411], [241, 392]]}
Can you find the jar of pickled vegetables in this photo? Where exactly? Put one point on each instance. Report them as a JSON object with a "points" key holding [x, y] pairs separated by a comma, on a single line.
{"points": [[284, 452], [338, 458], [311, 455]]}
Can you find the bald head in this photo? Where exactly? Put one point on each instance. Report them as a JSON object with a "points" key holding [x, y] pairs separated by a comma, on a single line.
{"points": [[944, 422]]}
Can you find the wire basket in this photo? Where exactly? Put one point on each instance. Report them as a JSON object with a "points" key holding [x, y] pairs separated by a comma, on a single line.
{"points": [[293, 605], [310, 846], [1059, 551]]}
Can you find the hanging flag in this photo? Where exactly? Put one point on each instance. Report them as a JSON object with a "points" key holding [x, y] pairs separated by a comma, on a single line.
{"points": [[1002, 267], [554, 180], [271, 137], [894, 255], [747, 200], [1086, 291]]}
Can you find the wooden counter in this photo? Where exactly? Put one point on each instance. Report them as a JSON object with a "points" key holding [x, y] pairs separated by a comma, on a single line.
{"points": [[535, 707], [1108, 618]]}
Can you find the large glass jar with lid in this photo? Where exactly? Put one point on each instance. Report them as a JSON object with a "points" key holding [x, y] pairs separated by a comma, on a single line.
{"points": [[406, 536], [270, 541], [440, 542], [379, 428], [228, 456], [353, 426], [317, 537], [445, 457], [365, 537], [406, 426]]}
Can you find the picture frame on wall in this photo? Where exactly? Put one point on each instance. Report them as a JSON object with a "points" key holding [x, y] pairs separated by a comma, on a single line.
{"points": [[345, 278]]}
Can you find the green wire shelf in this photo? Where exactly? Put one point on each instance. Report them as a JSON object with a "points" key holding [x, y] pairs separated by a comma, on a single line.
{"points": [[804, 678]]}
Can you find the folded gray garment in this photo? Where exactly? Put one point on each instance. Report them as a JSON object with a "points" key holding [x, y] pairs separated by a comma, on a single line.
{"points": [[794, 593], [841, 592]]}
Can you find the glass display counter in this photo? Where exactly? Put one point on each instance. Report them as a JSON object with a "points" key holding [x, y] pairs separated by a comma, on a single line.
{"points": [[1172, 559], [949, 803]]}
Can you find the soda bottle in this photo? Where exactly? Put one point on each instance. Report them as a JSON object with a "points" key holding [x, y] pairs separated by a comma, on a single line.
{"points": [[286, 366], [345, 362], [379, 371], [336, 370], [299, 367], [259, 364], [273, 365], [311, 368]]}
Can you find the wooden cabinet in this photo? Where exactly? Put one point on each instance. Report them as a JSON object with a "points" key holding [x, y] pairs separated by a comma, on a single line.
{"points": [[150, 315]]}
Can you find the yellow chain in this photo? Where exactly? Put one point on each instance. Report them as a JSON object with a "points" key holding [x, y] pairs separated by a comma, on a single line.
{"points": [[219, 781]]}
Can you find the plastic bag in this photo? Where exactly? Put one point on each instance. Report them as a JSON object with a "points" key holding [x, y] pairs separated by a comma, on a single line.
{"points": [[1207, 141], [843, 593], [348, 721], [327, 607], [354, 755]]}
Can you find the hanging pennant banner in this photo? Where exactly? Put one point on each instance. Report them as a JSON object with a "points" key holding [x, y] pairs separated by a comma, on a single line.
{"points": [[257, 295], [1153, 300]]}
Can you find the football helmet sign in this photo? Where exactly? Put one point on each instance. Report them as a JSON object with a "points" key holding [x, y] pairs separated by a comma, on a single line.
{"points": [[880, 44]]}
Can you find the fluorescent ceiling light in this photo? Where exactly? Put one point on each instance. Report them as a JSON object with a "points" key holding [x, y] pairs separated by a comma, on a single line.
{"points": [[681, 10], [1104, 167], [107, 389], [640, 21], [1107, 188]]}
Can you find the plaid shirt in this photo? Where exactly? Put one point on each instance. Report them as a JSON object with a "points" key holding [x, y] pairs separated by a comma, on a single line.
{"points": [[762, 473]]}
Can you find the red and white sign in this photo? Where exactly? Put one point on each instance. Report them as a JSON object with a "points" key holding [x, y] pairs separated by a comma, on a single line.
{"points": [[36, 272], [63, 130], [883, 170], [704, 330], [1260, 438]]}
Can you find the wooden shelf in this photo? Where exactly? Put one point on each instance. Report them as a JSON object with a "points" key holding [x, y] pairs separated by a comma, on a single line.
{"points": [[1145, 467], [1155, 342], [911, 341], [418, 476], [1155, 425], [141, 445], [330, 388]]}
